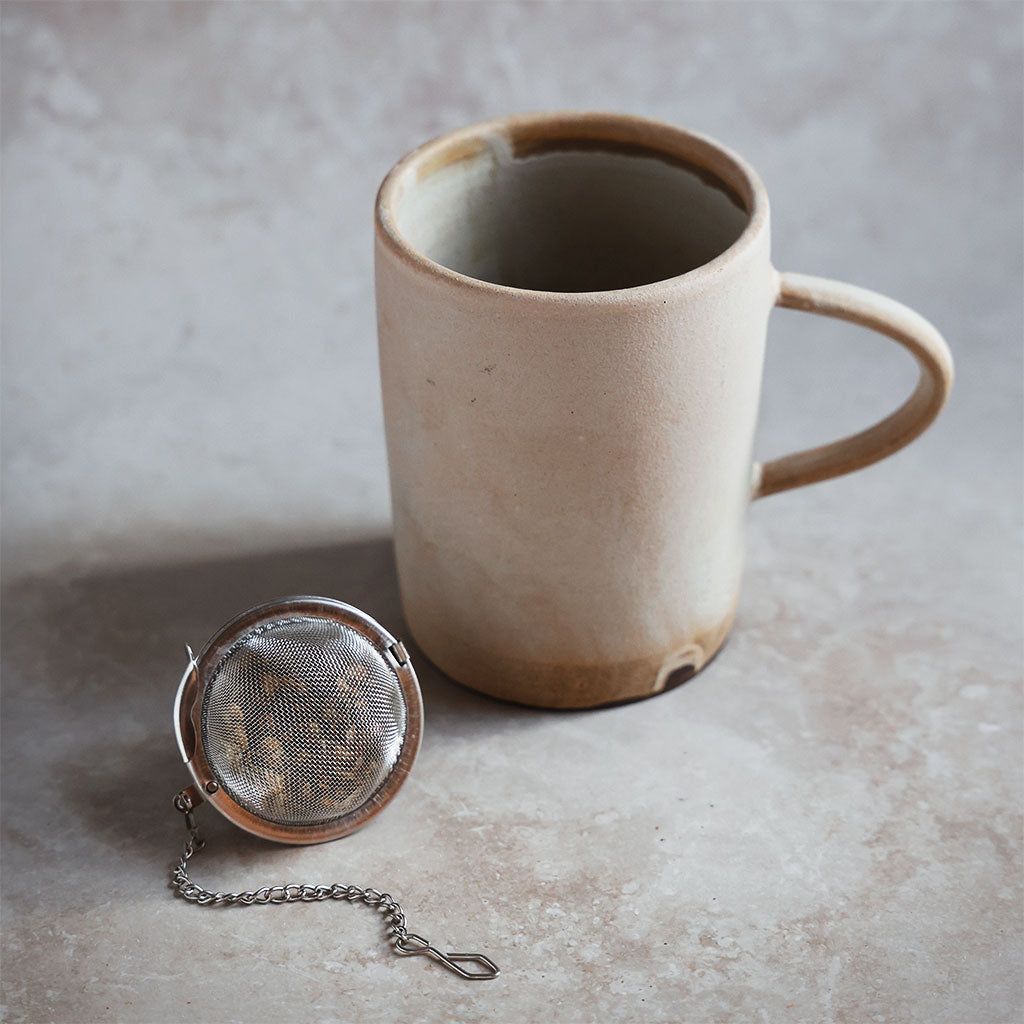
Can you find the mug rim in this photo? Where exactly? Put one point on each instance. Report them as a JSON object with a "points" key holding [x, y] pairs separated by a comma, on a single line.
{"points": [[698, 152]]}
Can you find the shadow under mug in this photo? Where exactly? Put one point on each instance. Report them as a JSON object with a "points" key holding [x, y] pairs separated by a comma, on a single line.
{"points": [[572, 311]]}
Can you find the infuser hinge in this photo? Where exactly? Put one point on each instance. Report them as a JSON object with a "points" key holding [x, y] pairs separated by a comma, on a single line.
{"points": [[399, 653]]}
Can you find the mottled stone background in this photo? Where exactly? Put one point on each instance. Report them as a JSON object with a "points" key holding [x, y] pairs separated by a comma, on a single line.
{"points": [[823, 827]]}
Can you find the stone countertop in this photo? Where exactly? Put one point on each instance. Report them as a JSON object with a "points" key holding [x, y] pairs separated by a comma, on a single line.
{"points": [[823, 826]]}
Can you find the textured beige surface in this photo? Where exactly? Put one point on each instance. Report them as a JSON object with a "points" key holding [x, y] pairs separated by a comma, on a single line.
{"points": [[823, 826]]}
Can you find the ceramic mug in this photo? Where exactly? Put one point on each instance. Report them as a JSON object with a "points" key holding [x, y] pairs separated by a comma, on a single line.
{"points": [[572, 311]]}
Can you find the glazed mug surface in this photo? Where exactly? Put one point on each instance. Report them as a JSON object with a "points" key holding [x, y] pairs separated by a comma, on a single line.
{"points": [[572, 312]]}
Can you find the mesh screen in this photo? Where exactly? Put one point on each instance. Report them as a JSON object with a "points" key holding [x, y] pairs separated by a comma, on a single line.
{"points": [[303, 721]]}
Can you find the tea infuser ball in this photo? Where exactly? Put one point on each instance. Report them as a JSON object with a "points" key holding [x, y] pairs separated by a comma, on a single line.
{"points": [[299, 721]]}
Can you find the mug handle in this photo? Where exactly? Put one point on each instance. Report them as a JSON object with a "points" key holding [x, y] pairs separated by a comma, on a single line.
{"points": [[893, 319]]}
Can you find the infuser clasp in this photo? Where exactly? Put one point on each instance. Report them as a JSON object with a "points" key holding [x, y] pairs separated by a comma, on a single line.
{"points": [[186, 802]]}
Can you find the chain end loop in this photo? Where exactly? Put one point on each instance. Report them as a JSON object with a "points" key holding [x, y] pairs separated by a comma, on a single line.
{"points": [[489, 969], [416, 945]]}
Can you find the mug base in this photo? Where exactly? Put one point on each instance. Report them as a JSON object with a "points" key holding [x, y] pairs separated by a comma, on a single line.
{"points": [[566, 686]]}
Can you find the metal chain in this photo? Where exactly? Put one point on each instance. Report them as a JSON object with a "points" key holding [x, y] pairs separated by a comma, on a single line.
{"points": [[402, 941]]}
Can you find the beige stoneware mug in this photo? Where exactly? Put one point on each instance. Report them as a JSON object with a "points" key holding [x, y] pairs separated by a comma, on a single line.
{"points": [[572, 311]]}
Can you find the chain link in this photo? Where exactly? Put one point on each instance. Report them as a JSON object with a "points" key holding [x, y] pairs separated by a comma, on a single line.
{"points": [[194, 893], [401, 940]]}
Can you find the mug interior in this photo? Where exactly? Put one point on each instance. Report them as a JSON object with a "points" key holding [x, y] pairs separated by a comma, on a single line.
{"points": [[566, 213]]}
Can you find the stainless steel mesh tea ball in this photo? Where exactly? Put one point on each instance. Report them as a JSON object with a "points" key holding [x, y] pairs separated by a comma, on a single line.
{"points": [[299, 721]]}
